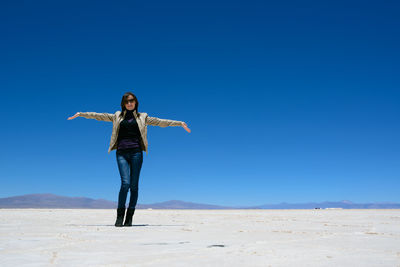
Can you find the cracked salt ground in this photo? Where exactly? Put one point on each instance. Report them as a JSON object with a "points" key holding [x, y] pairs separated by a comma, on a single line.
{"points": [[200, 238], [164, 243]]}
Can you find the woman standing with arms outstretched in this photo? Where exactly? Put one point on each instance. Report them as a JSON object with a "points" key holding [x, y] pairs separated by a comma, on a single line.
{"points": [[129, 138]]}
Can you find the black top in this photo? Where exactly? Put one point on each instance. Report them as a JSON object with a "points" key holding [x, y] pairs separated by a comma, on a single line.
{"points": [[129, 137]]}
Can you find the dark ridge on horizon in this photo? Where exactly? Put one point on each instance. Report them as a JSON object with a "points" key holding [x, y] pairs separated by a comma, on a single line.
{"points": [[48, 200]]}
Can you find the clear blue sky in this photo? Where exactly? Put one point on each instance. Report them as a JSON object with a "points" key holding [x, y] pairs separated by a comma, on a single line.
{"points": [[288, 101]]}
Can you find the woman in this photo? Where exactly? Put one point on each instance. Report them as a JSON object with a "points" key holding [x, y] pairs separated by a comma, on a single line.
{"points": [[129, 139]]}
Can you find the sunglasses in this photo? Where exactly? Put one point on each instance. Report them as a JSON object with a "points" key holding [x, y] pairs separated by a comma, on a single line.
{"points": [[129, 101]]}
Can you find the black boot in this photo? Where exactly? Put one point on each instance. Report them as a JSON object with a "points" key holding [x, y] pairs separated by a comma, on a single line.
{"points": [[120, 216], [129, 214]]}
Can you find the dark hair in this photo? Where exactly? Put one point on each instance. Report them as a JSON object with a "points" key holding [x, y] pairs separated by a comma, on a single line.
{"points": [[123, 101]]}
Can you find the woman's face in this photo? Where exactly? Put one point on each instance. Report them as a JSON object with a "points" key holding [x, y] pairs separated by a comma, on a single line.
{"points": [[130, 103]]}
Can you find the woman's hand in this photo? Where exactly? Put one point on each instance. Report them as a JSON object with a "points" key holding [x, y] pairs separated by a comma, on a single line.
{"points": [[184, 125], [73, 117]]}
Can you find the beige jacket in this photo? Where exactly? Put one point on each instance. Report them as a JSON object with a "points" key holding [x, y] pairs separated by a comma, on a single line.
{"points": [[142, 120]]}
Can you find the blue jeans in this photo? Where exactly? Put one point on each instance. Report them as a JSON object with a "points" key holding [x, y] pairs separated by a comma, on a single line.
{"points": [[129, 165]]}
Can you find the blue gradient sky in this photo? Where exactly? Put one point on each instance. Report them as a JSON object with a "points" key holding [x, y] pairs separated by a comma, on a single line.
{"points": [[288, 101]]}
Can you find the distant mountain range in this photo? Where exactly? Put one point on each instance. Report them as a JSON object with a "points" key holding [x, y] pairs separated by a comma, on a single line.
{"points": [[63, 202]]}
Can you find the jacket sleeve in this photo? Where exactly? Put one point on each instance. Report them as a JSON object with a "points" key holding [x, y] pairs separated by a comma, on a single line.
{"points": [[97, 116], [154, 121]]}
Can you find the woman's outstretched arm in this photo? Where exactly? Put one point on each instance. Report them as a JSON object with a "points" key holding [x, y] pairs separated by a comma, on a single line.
{"points": [[154, 121], [94, 115]]}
